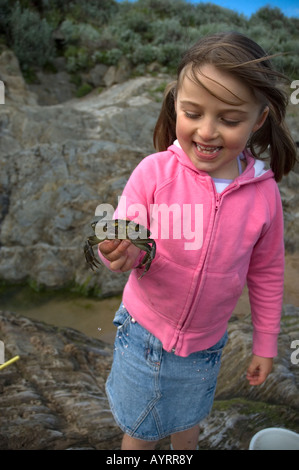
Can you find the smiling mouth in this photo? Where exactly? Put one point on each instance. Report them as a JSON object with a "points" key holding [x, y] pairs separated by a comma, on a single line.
{"points": [[208, 150]]}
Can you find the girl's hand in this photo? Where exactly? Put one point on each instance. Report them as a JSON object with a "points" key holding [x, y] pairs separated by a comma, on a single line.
{"points": [[122, 254], [259, 369]]}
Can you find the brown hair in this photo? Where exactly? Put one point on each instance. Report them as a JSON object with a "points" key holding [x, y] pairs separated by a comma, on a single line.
{"points": [[247, 61]]}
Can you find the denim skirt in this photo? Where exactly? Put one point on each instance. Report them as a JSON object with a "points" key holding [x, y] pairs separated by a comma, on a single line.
{"points": [[154, 393]]}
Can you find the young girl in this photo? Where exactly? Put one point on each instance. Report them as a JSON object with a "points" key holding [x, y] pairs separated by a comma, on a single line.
{"points": [[206, 181]]}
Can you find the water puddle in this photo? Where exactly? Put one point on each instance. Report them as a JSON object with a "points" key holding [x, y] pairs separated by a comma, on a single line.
{"points": [[88, 315]]}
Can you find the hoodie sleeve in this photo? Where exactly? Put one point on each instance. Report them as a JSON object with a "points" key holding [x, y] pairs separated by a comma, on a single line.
{"points": [[265, 279]]}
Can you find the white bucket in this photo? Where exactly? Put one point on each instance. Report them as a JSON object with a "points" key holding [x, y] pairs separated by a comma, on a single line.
{"points": [[275, 439]]}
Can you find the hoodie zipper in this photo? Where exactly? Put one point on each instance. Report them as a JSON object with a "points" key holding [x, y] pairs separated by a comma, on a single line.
{"points": [[217, 205], [218, 198]]}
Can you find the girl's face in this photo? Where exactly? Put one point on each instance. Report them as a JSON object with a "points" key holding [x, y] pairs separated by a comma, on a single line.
{"points": [[211, 132]]}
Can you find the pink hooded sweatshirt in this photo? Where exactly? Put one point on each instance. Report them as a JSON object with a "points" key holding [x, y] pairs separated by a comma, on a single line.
{"points": [[209, 245]]}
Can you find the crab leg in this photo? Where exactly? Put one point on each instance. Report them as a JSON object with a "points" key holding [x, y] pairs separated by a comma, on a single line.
{"points": [[89, 254], [149, 255]]}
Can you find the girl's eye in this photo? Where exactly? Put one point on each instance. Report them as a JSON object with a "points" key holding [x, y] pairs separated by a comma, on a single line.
{"points": [[230, 123], [191, 115]]}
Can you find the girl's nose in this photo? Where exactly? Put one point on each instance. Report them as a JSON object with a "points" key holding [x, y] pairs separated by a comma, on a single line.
{"points": [[207, 129]]}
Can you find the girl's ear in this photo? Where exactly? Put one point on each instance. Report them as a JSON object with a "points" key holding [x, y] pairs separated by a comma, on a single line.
{"points": [[261, 119]]}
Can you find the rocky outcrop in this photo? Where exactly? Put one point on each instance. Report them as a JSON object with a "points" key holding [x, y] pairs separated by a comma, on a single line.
{"points": [[54, 397]]}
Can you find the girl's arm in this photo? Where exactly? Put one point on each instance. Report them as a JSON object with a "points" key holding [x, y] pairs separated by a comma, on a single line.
{"points": [[265, 279]]}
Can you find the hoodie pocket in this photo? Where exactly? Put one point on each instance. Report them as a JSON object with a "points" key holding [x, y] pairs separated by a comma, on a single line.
{"points": [[165, 288], [219, 296]]}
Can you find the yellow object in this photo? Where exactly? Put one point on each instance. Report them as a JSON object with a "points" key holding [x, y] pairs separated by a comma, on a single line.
{"points": [[7, 363]]}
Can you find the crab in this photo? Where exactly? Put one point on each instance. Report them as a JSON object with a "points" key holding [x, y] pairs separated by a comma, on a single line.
{"points": [[121, 229]]}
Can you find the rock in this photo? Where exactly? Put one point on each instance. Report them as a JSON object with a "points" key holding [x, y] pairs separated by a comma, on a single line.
{"points": [[58, 87], [95, 77], [16, 90], [117, 73], [53, 88], [54, 396]]}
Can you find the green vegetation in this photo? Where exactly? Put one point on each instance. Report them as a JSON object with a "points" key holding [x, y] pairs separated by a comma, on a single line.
{"points": [[143, 32]]}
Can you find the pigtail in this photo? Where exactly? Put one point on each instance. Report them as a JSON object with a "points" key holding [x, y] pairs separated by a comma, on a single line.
{"points": [[165, 129], [274, 138]]}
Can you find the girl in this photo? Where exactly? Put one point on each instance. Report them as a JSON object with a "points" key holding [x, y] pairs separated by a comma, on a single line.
{"points": [[223, 111]]}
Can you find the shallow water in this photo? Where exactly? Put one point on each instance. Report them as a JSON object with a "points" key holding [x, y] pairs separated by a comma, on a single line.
{"points": [[88, 315]]}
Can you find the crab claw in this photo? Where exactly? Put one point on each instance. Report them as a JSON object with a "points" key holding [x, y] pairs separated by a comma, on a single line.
{"points": [[89, 256], [148, 258]]}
